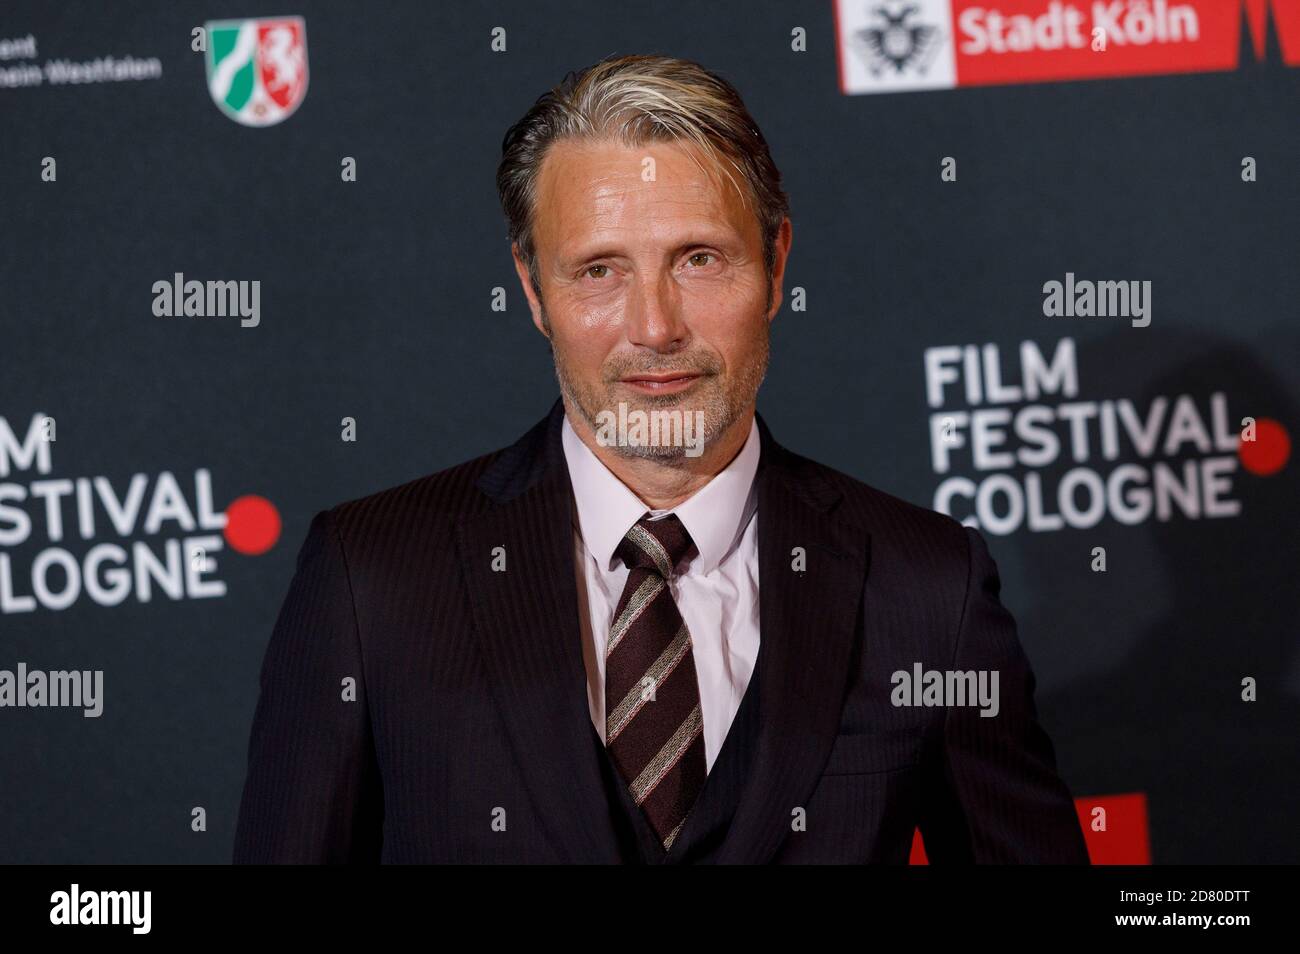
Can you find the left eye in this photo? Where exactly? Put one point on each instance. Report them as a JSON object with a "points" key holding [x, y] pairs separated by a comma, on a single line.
{"points": [[700, 255]]}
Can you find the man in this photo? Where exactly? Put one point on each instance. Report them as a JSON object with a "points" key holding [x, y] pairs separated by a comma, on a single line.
{"points": [[612, 642]]}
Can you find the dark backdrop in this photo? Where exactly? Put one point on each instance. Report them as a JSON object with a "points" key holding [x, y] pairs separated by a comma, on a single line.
{"points": [[376, 304]]}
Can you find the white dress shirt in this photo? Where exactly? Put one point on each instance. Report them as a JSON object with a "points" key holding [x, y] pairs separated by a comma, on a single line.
{"points": [[717, 592]]}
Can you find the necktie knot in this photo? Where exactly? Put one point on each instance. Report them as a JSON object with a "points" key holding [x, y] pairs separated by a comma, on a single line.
{"points": [[656, 545]]}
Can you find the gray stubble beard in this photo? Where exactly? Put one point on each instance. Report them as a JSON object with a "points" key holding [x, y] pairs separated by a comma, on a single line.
{"points": [[721, 409]]}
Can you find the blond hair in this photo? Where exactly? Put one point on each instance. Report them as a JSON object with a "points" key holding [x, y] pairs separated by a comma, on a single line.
{"points": [[636, 100]]}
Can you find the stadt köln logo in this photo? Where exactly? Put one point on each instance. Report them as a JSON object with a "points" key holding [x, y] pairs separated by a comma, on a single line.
{"points": [[895, 41], [257, 69]]}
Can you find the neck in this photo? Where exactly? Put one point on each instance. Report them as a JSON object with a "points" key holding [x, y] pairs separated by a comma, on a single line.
{"points": [[662, 485]]}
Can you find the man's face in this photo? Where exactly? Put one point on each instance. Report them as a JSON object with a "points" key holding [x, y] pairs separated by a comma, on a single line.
{"points": [[653, 286]]}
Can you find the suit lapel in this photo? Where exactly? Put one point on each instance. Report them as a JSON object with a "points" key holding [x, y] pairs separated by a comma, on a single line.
{"points": [[808, 623], [527, 620]]}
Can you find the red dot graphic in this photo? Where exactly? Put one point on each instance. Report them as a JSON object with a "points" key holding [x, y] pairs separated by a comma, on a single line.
{"points": [[1269, 451], [252, 525]]}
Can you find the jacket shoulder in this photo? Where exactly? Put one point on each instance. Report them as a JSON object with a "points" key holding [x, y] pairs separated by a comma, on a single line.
{"points": [[439, 496], [890, 520], [921, 561]]}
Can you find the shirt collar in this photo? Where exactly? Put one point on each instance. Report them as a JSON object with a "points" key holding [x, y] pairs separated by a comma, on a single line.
{"points": [[715, 515]]}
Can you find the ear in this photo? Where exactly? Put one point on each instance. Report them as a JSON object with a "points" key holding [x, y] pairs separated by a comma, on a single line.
{"points": [[534, 305], [781, 251]]}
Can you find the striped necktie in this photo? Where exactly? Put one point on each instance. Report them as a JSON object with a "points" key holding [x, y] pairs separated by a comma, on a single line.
{"points": [[653, 727]]}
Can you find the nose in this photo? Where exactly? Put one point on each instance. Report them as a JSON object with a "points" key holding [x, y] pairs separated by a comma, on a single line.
{"points": [[653, 315]]}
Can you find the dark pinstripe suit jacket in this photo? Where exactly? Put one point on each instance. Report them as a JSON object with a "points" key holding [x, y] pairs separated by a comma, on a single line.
{"points": [[471, 696]]}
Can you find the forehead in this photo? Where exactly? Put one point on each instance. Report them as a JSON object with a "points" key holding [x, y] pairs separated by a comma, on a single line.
{"points": [[589, 188]]}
